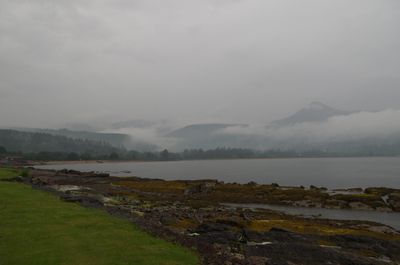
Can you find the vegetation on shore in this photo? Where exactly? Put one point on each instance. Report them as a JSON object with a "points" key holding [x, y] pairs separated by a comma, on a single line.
{"points": [[67, 145], [164, 155], [38, 228]]}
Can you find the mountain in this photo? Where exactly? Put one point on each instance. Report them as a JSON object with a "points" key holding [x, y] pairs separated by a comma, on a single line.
{"points": [[200, 130], [314, 112], [18, 141], [118, 140], [207, 136], [278, 135]]}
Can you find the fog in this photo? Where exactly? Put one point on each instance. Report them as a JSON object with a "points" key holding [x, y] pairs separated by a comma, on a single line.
{"points": [[237, 61], [381, 127]]}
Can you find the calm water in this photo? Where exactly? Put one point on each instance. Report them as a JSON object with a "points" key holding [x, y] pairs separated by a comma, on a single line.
{"points": [[328, 172], [387, 218]]}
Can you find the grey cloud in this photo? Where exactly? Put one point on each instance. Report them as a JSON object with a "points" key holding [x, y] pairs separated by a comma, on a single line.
{"points": [[238, 61]]}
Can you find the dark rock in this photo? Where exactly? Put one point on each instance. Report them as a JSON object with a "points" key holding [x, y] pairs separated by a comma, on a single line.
{"points": [[232, 221], [257, 260], [168, 220], [204, 187]]}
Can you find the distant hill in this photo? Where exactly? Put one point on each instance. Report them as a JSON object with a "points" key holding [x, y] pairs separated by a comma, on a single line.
{"points": [[316, 134], [114, 139], [26, 142], [200, 130], [314, 112], [118, 140], [208, 136]]}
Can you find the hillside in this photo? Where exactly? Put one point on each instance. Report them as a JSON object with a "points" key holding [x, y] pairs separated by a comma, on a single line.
{"points": [[17, 141], [114, 139], [314, 112], [207, 136]]}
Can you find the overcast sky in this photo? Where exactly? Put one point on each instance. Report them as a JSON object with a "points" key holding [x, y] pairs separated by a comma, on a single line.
{"points": [[191, 61]]}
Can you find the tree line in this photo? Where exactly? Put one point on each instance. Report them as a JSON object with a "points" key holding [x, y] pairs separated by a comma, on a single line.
{"points": [[164, 155]]}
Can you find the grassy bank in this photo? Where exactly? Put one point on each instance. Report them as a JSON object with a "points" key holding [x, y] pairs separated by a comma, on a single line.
{"points": [[38, 228]]}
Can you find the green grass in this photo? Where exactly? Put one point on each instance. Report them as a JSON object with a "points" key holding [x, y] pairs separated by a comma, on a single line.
{"points": [[37, 228], [8, 173]]}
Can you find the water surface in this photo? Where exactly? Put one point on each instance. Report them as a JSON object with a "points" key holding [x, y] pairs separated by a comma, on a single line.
{"points": [[328, 172], [387, 218]]}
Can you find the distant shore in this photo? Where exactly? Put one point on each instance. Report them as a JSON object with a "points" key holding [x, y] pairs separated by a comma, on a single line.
{"points": [[74, 162], [61, 162], [332, 173]]}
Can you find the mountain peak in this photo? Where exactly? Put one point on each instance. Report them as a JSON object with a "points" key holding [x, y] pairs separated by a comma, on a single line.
{"points": [[313, 112]]}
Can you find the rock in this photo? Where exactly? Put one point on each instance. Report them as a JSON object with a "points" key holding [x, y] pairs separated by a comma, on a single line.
{"points": [[384, 209], [19, 179], [252, 183], [359, 206], [211, 227], [231, 221], [307, 203], [259, 243], [203, 187], [238, 256], [394, 201], [383, 229], [86, 200], [385, 259], [65, 188], [335, 204], [168, 220], [82, 174], [138, 213], [257, 260], [108, 200]]}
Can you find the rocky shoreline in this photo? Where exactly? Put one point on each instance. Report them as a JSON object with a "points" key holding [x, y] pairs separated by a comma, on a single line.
{"points": [[190, 213]]}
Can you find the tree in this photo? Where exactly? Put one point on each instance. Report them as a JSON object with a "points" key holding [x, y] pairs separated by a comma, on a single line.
{"points": [[72, 156], [3, 150], [114, 156], [164, 154], [86, 156]]}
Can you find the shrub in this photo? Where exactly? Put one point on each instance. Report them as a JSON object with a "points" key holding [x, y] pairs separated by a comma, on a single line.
{"points": [[25, 173]]}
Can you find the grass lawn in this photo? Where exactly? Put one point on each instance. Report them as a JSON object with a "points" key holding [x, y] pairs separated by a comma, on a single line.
{"points": [[8, 172], [37, 228]]}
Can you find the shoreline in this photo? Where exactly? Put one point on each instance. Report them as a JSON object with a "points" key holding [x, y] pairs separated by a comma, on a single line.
{"points": [[206, 159], [364, 199], [190, 213]]}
